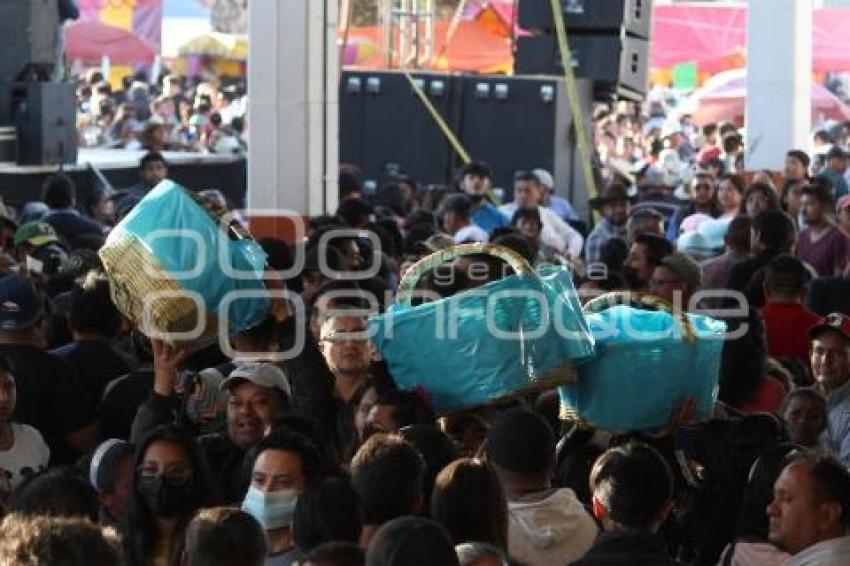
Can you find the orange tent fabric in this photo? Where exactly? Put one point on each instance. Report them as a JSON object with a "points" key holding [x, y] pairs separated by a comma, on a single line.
{"points": [[474, 47]]}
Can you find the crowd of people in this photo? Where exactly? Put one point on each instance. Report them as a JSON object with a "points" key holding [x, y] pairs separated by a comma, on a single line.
{"points": [[120, 449], [174, 114]]}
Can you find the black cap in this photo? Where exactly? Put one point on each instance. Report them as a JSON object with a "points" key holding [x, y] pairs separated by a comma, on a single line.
{"points": [[477, 168], [21, 305]]}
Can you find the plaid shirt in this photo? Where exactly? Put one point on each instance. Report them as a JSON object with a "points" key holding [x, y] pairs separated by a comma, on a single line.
{"points": [[603, 232]]}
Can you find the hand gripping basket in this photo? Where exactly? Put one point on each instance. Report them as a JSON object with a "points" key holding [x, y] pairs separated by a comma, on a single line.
{"points": [[178, 274], [483, 345], [648, 358]]}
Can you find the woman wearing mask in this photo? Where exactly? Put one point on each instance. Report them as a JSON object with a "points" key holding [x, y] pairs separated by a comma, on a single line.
{"points": [[171, 482], [284, 463]]}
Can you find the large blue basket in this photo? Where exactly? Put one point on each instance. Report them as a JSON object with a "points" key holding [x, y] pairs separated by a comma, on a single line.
{"points": [[178, 274], [506, 338], [646, 362]]}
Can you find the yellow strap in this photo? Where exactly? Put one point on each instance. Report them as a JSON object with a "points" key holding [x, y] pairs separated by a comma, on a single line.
{"points": [[572, 96], [458, 147]]}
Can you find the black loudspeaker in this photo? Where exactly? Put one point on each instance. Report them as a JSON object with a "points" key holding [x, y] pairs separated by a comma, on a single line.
{"points": [[512, 123], [385, 129], [520, 123], [597, 16], [29, 29], [45, 120], [8, 144], [618, 64]]}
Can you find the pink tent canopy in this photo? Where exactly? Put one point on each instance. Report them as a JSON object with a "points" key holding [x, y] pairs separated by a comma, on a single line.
{"points": [[724, 98], [708, 35], [90, 40]]}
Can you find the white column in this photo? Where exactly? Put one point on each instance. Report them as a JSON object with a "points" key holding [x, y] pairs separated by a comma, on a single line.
{"points": [[779, 75], [293, 78]]}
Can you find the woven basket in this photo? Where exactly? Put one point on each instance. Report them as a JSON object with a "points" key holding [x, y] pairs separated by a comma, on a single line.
{"points": [[156, 276], [170, 310], [637, 377], [474, 368]]}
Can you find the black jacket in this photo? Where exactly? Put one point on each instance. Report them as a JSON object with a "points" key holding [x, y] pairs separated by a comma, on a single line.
{"points": [[226, 460], [312, 391], [628, 549]]}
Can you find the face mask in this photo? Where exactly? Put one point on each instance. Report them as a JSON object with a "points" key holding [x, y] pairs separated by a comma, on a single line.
{"points": [[273, 509], [164, 499]]}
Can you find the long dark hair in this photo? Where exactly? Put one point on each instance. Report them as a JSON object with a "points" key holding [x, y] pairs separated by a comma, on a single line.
{"points": [[469, 502], [140, 527], [743, 361]]}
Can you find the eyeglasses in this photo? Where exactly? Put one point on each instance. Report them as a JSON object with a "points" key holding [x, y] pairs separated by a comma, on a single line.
{"points": [[174, 475]]}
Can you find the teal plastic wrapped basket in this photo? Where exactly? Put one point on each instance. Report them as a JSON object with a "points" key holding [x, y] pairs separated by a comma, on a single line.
{"points": [[646, 362], [506, 338], [181, 275]]}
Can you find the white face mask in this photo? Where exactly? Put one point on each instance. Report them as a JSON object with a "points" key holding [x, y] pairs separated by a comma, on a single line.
{"points": [[273, 509]]}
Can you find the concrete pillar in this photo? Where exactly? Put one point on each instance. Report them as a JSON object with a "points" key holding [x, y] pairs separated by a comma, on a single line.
{"points": [[779, 75], [293, 78]]}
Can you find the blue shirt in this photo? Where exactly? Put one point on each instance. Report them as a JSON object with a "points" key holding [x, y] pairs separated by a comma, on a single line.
{"points": [[562, 208], [838, 422], [837, 181], [488, 217]]}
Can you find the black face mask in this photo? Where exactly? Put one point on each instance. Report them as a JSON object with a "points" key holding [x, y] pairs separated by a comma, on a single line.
{"points": [[476, 199], [163, 498]]}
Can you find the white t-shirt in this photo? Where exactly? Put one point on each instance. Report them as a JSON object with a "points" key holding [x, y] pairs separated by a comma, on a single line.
{"points": [[28, 456], [470, 233]]}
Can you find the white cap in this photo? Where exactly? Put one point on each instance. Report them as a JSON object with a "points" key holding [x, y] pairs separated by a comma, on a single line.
{"points": [[545, 178], [263, 374]]}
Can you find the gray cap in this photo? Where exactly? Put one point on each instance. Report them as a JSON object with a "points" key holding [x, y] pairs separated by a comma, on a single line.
{"points": [[263, 374], [106, 459], [689, 270]]}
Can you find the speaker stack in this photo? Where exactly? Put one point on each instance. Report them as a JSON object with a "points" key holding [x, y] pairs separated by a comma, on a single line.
{"points": [[512, 123], [608, 39], [41, 114]]}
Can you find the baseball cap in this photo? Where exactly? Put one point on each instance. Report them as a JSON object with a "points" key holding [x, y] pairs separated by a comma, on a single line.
{"points": [[477, 168], [20, 303], [685, 267], [263, 374], [835, 322], [35, 233], [545, 178], [106, 459], [842, 203]]}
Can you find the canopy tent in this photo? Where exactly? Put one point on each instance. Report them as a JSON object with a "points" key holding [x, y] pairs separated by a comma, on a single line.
{"points": [[504, 9], [723, 98], [215, 44], [473, 47], [89, 40], [714, 36], [217, 53]]}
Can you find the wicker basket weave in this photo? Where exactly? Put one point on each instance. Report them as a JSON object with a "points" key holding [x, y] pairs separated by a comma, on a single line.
{"points": [[138, 283]]}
